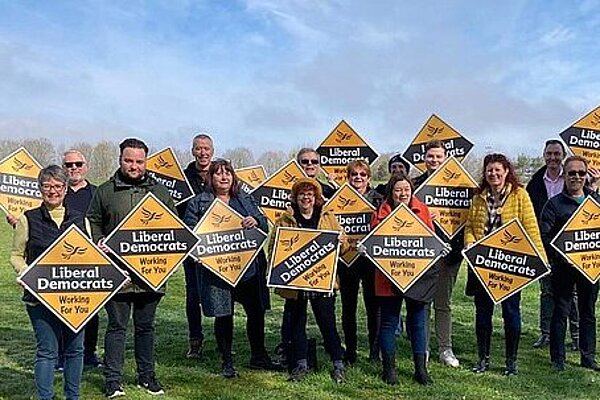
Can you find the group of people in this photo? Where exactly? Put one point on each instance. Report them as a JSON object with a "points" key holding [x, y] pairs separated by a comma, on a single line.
{"points": [[552, 196]]}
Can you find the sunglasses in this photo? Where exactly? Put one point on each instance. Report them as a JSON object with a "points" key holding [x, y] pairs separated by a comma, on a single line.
{"points": [[306, 161], [77, 164], [363, 174], [574, 172]]}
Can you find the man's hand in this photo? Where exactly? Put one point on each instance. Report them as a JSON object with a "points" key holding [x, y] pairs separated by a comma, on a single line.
{"points": [[11, 219], [594, 176], [249, 222], [102, 246]]}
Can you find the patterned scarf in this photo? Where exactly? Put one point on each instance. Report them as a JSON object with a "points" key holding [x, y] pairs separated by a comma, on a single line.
{"points": [[494, 206]]}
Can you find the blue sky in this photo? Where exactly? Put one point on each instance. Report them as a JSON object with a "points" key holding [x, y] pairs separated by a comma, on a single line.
{"points": [[276, 74]]}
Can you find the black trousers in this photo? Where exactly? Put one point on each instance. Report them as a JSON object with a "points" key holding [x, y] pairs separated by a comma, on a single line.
{"points": [[350, 279], [324, 311], [119, 310], [564, 278], [248, 295], [193, 311]]}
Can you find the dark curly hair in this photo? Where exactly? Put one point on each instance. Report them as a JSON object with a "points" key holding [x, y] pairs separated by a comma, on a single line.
{"points": [[511, 177], [389, 188]]}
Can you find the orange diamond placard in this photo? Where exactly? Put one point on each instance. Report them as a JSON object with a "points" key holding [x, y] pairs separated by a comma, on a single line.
{"points": [[437, 129], [579, 240], [73, 278], [304, 259], [583, 137], [273, 195], [251, 177], [448, 193], [165, 168], [506, 261], [152, 241], [19, 189], [340, 147], [224, 247], [353, 212], [403, 247]]}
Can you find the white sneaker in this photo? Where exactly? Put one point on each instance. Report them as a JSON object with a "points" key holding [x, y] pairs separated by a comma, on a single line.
{"points": [[447, 357]]}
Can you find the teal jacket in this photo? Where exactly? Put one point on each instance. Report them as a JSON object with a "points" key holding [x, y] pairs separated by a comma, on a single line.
{"points": [[112, 201]]}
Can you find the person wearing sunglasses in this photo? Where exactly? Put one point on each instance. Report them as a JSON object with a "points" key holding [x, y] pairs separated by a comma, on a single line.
{"points": [[359, 177], [79, 195], [309, 161], [556, 213], [546, 183], [500, 199]]}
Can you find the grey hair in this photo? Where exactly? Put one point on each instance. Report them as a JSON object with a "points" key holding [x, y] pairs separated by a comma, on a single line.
{"points": [[52, 172], [74, 151], [305, 150]]}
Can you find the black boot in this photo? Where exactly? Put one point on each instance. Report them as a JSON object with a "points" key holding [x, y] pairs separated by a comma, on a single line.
{"points": [[483, 349], [512, 345], [389, 369], [421, 375]]}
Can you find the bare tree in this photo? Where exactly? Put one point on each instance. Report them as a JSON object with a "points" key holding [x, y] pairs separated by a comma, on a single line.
{"points": [[42, 150], [379, 169], [86, 149], [239, 157], [272, 160], [7, 146], [183, 156], [104, 160]]}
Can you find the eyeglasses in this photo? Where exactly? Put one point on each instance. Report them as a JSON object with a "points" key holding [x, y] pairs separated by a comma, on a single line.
{"points": [[47, 188], [573, 172], [306, 161], [306, 194], [77, 164], [363, 174]]}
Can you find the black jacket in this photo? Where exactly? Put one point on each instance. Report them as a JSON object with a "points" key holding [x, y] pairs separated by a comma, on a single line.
{"points": [[554, 216], [537, 191], [198, 184]]}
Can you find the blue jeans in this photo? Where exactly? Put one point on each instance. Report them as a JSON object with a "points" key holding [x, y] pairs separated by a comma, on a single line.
{"points": [[415, 324], [48, 328]]}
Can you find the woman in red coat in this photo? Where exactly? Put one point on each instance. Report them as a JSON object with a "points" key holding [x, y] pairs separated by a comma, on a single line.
{"points": [[400, 190]]}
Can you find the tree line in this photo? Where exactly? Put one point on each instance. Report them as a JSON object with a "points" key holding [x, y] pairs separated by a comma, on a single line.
{"points": [[102, 158]]}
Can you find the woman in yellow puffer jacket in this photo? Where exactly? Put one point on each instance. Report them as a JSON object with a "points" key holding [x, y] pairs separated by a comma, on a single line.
{"points": [[501, 198]]}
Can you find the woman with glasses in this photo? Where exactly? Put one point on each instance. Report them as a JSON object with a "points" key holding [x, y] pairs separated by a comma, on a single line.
{"points": [[218, 297], [359, 177], [34, 232], [306, 211], [400, 191], [500, 199]]}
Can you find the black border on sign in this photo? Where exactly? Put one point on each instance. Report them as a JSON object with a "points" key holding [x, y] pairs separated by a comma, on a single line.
{"points": [[199, 259], [133, 270], [37, 164], [377, 154], [43, 301], [178, 164], [412, 142], [335, 263], [325, 207], [432, 232], [259, 166], [430, 177], [284, 166], [562, 230], [535, 249]]}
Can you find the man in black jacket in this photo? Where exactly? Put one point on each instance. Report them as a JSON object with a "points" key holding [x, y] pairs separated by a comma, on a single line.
{"points": [[547, 182], [435, 155], [196, 173], [556, 213]]}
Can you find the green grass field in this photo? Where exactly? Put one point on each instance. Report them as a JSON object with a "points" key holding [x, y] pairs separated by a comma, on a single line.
{"points": [[185, 379]]}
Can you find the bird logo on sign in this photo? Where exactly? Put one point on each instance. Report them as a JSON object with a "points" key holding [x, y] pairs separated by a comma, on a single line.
{"points": [[510, 238], [450, 175], [342, 136], [288, 178], [149, 216], [588, 216], [162, 163], [289, 243], [19, 165], [344, 202], [253, 177], [70, 251], [595, 119], [219, 219], [433, 131], [400, 223]]}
